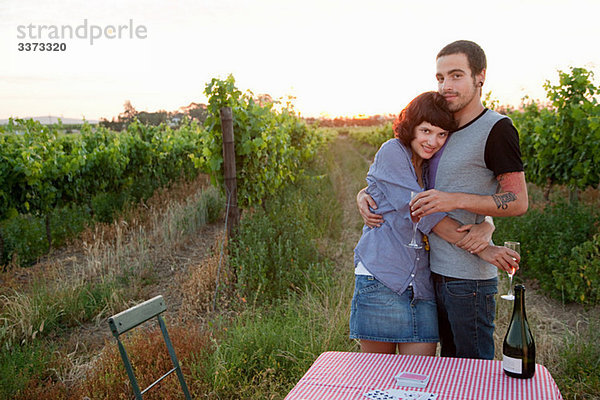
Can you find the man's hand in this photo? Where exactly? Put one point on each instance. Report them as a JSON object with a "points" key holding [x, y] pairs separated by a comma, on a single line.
{"points": [[432, 201], [364, 201], [478, 237], [502, 257]]}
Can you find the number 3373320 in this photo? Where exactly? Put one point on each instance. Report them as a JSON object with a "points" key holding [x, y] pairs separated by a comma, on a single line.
{"points": [[41, 46]]}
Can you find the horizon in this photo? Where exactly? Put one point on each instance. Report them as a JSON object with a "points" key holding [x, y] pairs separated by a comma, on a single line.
{"points": [[37, 117], [337, 59]]}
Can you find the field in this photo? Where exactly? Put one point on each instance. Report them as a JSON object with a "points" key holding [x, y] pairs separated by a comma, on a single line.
{"points": [[248, 341], [93, 223]]}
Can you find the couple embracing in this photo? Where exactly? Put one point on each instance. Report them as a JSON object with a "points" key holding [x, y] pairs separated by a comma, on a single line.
{"points": [[464, 162]]}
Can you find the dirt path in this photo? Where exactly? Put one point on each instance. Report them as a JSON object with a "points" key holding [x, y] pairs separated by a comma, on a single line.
{"points": [[348, 170], [170, 271]]}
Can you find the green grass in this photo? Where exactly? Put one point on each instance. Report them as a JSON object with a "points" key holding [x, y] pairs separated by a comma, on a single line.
{"points": [[266, 350], [49, 307], [19, 364], [276, 249], [372, 135], [578, 374], [298, 298]]}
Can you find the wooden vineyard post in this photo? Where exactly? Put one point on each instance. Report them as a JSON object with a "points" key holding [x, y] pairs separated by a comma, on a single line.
{"points": [[233, 215]]}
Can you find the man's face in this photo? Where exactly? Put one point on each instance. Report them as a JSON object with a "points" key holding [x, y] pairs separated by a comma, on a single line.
{"points": [[455, 81]]}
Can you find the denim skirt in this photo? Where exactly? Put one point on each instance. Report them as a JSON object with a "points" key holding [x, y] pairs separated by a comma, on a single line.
{"points": [[382, 315]]}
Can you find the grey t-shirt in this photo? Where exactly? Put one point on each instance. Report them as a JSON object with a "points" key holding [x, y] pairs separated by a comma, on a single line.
{"points": [[462, 168]]}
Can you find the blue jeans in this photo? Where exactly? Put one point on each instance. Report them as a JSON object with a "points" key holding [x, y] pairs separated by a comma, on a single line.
{"points": [[466, 313]]}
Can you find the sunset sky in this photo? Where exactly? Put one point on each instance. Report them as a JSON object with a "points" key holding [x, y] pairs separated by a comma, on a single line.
{"points": [[336, 57]]}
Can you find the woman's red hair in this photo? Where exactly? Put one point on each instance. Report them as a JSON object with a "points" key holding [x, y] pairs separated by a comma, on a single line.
{"points": [[427, 107]]}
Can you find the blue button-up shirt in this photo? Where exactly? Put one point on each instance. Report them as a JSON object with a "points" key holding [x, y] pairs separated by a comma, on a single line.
{"points": [[381, 250]]}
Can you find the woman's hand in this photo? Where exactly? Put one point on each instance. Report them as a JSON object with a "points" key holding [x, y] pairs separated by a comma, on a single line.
{"points": [[364, 201], [432, 201], [478, 236], [502, 257]]}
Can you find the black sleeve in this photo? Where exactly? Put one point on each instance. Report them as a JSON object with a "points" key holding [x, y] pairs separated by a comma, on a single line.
{"points": [[502, 151]]}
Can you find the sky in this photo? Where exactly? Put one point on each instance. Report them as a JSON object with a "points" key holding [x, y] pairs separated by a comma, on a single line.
{"points": [[337, 58]]}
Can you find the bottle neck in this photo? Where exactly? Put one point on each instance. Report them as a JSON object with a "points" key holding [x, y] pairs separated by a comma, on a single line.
{"points": [[519, 304]]}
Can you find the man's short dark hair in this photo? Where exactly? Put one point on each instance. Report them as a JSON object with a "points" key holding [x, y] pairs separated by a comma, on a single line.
{"points": [[427, 107], [475, 54]]}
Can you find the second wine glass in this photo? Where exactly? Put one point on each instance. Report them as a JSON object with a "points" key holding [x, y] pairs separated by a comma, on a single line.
{"points": [[516, 246]]}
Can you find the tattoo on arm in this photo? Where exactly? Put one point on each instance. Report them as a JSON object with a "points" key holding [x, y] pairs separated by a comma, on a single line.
{"points": [[502, 199], [511, 182]]}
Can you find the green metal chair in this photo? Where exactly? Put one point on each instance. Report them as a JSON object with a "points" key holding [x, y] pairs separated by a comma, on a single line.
{"points": [[129, 319]]}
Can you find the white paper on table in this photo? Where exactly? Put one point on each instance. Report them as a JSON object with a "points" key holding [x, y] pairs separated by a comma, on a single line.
{"points": [[399, 394]]}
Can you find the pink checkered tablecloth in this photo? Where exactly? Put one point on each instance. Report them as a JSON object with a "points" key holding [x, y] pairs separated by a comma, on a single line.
{"points": [[341, 375]]}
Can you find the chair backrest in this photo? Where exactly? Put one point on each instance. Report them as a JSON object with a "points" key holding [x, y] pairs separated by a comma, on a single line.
{"points": [[135, 316]]}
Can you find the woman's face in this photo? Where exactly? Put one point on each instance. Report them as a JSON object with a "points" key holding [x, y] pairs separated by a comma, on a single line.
{"points": [[428, 140]]}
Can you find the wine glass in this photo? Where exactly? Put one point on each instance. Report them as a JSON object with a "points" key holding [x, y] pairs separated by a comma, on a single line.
{"points": [[516, 246], [413, 244]]}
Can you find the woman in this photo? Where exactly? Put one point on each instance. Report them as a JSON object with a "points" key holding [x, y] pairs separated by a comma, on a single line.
{"points": [[393, 308]]}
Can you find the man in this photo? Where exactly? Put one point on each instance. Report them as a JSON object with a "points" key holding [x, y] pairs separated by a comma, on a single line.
{"points": [[478, 173]]}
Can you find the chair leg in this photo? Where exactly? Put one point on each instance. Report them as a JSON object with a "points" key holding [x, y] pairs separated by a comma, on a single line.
{"points": [[129, 369], [171, 350]]}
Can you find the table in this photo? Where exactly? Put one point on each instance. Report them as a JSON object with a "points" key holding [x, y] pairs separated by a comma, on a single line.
{"points": [[344, 375]]}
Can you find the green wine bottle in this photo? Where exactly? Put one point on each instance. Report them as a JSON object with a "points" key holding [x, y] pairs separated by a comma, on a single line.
{"points": [[518, 351]]}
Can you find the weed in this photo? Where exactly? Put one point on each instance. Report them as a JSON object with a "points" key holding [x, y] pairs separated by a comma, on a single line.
{"points": [[48, 307], [579, 364], [19, 364], [266, 351], [276, 249]]}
